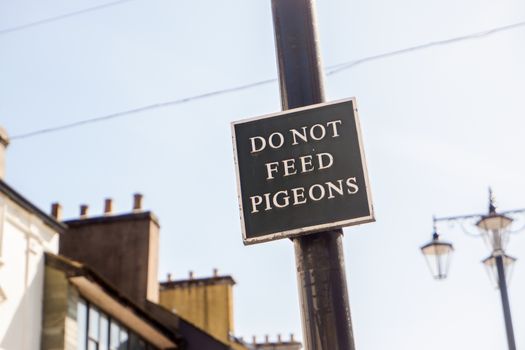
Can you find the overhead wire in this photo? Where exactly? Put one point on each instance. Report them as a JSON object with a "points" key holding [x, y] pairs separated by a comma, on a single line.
{"points": [[331, 70], [140, 109], [61, 17], [477, 35]]}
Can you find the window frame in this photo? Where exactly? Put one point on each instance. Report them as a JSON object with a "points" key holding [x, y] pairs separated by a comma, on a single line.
{"points": [[123, 344]]}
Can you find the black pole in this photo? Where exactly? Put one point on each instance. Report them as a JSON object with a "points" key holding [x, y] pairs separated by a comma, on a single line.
{"points": [[325, 309], [502, 283]]}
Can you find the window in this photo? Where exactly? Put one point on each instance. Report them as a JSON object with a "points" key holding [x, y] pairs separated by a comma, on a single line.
{"points": [[98, 331], [123, 345], [114, 336], [104, 333], [135, 343], [93, 329], [82, 324]]}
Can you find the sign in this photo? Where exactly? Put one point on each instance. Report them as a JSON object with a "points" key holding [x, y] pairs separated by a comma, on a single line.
{"points": [[301, 171]]}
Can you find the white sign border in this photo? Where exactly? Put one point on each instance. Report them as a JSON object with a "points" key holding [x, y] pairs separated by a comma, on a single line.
{"points": [[314, 228]]}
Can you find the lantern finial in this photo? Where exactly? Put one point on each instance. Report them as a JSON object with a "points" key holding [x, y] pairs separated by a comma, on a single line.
{"points": [[492, 202]]}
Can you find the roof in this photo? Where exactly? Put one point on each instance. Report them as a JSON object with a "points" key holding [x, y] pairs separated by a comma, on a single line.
{"points": [[27, 205], [105, 219], [94, 287], [194, 338], [197, 282], [182, 332]]}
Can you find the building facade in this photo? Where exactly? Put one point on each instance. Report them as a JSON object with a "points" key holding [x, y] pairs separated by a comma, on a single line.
{"points": [[83, 311], [91, 284], [26, 234]]}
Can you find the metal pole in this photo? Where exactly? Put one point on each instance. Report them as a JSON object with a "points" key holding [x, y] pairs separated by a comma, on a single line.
{"points": [[502, 283], [319, 257], [323, 294]]}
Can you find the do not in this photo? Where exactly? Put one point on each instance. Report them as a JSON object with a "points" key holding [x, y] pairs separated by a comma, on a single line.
{"points": [[303, 134]]}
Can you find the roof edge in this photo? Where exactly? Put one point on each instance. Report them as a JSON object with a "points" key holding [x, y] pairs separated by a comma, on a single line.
{"points": [[73, 268], [199, 281], [104, 219], [26, 204]]}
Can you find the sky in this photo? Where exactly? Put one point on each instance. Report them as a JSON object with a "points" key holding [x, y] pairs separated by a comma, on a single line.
{"points": [[440, 125]]}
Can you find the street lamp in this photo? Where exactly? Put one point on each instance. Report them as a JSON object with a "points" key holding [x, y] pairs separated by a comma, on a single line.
{"points": [[492, 267], [494, 228], [438, 254]]}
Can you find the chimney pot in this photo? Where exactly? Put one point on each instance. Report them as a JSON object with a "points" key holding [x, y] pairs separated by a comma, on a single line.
{"points": [[291, 338], [279, 338], [4, 142], [84, 208], [56, 211], [215, 272], [108, 206], [191, 275], [266, 338], [137, 202], [169, 277], [254, 339]]}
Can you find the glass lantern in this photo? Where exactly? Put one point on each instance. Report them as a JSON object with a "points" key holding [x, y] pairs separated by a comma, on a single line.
{"points": [[492, 268], [493, 228], [438, 254]]}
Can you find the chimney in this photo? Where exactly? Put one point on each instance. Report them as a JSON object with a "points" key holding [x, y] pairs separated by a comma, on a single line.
{"points": [[254, 339], [291, 338], [84, 211], [108, 206], [204, 301], [169, 277], [137, 202], [266, 339], [279, 338], [215, 272], [4, 142], [56, 211], [123, 249]]}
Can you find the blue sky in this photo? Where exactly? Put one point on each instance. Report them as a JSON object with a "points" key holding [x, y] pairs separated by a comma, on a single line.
{"points": [[439, 126]]}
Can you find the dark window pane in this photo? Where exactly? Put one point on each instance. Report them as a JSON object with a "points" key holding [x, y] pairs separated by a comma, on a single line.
{"points": [[142, 345], [124, 339], [81, 324], [135, 343]]}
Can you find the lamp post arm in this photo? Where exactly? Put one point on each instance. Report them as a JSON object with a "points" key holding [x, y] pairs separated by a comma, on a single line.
{"points": [[513, 211], [473, 216], [502, 282], [457, 218]]}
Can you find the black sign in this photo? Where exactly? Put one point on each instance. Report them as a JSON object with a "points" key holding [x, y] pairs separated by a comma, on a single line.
{"points": [[301, 171]]}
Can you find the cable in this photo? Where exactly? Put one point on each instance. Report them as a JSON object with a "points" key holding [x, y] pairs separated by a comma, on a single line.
{"points": [[478, 35], [61, 17], [331, 70], [140, 109]]}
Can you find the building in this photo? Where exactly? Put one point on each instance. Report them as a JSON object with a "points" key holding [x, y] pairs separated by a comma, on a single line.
{"points": [[205, 302], [208, 304], [50, 302], [91, 283], [278, 344], [26, 234], [83, 311], [123, 250]]}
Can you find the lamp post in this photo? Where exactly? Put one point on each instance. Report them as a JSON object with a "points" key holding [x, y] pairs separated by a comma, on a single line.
{"points": [[494, 228]]}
